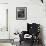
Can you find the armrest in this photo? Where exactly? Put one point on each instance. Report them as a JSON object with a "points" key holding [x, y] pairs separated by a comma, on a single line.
{"points": [[24, 32], [22, 35]]}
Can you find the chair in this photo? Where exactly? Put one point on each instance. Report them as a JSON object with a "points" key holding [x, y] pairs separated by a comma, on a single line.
{"points": [[33, 30]]}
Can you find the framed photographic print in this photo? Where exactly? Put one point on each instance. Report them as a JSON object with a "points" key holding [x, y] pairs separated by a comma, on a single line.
{"points": [[21, 13]]}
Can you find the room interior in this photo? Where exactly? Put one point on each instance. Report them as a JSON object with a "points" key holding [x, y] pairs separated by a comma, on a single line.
{"points": [[14, 16]]}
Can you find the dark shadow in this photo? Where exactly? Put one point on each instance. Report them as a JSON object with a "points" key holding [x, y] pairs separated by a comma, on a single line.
{"points": [[41, 35]]}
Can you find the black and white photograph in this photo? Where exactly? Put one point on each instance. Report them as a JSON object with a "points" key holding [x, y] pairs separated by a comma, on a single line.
{"points": [[21, 13], [22, 22]]}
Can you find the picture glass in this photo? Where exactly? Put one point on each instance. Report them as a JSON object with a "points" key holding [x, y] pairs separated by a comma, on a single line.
{"points": [[21, 13]]}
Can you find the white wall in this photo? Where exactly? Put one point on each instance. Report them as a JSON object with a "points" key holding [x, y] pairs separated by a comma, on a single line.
{"points": [[35, 13], [3, 21], [3, 1], [4, 34]]}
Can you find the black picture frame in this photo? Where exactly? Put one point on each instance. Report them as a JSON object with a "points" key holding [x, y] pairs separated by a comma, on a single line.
{"points": [[21, 13]]}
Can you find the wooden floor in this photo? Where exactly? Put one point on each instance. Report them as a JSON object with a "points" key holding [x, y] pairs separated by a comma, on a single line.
{"points": [[6, 40], [27, 44]]}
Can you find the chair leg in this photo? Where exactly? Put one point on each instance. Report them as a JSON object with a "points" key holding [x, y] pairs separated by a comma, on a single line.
{"points": [[20, 42], [32, 42]]}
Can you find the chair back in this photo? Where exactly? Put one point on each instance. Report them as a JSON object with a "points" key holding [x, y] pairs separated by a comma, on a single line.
{"points": [[33, 28]]}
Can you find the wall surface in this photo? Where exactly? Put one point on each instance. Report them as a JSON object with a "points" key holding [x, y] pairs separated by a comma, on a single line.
{"points": [[3, 1], [35, 14], [3, 34], [3, 21]]}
